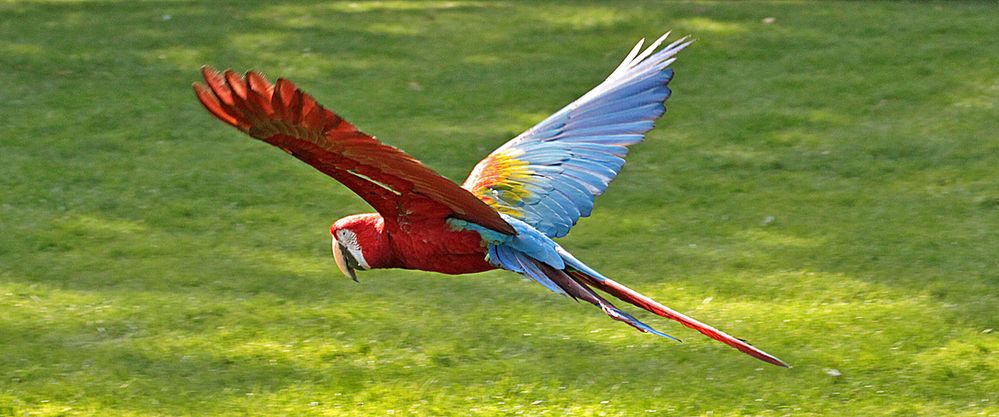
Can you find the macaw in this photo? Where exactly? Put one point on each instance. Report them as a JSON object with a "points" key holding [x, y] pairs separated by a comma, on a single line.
{"points": [[526, 193]]}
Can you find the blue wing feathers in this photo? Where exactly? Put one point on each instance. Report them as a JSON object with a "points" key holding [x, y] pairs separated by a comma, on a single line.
{"points": [[507, 258], [562, 201], [604, 172], [650, 96], [547, 170], [638, 127], [623, 139], [578, 151], [592, 184], [559, 215], [614, 150], [596, 184], [642, 91], [579, 195], [570, 209], [649, 111]]}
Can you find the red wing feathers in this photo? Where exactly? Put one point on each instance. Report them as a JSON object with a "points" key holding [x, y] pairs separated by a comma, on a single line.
{"points": [[394, 183]]}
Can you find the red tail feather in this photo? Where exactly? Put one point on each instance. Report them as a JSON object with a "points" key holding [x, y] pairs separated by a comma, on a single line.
{"points": [[628, 295]]}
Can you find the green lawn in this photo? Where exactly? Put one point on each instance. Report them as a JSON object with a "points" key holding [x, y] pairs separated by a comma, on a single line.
{"points": [[825, 185]]}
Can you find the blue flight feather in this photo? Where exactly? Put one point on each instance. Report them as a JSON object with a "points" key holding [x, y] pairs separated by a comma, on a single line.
{"points": [[574, 154]]}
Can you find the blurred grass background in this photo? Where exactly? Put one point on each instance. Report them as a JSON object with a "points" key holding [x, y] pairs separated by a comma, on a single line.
{"points": [[825, 184]]}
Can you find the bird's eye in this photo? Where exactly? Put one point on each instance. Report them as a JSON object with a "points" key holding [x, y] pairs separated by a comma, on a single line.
{"points": [[351, 249]]}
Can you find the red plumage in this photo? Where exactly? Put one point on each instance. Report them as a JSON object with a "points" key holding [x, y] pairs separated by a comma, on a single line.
{"points": [[398, 186], [413, 202], [427, 245]]}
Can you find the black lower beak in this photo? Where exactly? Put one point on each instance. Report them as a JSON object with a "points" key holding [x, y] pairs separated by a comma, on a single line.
{"points": [[353, 275], [343, 260]]}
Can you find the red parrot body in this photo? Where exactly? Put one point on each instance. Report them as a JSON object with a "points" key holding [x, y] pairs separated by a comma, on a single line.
{"points": [[427, 245], [517, 200]]}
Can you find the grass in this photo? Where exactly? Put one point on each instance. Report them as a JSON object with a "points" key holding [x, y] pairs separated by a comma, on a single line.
{"points": [[825, 185]]}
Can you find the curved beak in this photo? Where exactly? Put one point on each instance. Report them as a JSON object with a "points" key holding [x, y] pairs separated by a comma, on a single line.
{"points": [[339, 256]]}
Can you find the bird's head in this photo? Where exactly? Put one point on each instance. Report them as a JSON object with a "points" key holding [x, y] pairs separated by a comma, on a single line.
{"points": [[358, 243]]}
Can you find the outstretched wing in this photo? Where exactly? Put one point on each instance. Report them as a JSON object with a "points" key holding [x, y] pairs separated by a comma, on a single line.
{"points": [[394, 183], [549, 175]]}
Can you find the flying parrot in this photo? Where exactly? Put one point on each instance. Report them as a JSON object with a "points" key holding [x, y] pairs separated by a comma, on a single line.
{"points": [[531, 190]]}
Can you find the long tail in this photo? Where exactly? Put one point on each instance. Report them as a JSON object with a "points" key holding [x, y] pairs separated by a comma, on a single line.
{"points": [[578, 291], [583, 274]]}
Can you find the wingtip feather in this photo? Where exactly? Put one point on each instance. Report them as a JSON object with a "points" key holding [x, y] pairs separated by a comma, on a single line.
{"points": [[236, 83], [211, 103], [250, 103], [284, 92], [628, 59], [216, 82], [652, 48], [259, 93]]}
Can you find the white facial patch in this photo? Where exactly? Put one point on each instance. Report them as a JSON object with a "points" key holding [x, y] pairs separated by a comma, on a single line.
{"points": [[349, 240]]}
